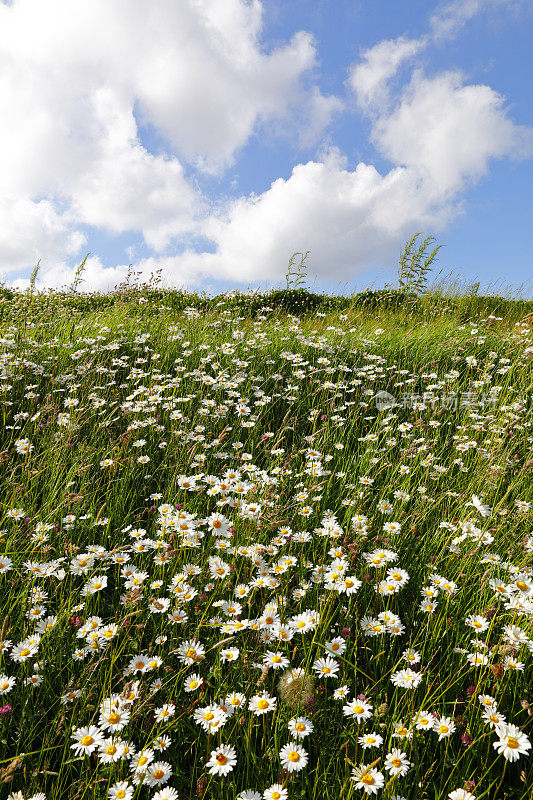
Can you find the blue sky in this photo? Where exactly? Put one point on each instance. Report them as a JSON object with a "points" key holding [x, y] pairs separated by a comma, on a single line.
{"points": [[212, 140]]}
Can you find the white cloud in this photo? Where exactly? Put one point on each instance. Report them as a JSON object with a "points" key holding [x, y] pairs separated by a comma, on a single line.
{"points": [[448, 131], [30, 230], [450, 18], [369, 77], [348, 219], [77, 80], [196, 72]]}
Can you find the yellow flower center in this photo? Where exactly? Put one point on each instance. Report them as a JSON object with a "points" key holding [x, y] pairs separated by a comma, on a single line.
{"points": [[209, 716], [262, 704], [97, 586], [121, 794], [194, 684], [396, 762], [276, 659], [158, 774], [25, 652], [221, 759], [443, 729], [359, 709], [294, 756], [191, 653], [139, 665], [512, 742], [367, 779], [87, 740], [142, 761], [111, 750], [4, 686], [113, 718], [275, 795]]}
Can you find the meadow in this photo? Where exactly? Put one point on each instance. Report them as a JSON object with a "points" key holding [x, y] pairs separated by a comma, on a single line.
{"points": [[253, 553]]}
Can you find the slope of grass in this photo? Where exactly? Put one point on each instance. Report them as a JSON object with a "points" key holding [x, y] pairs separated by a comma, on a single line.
{"points": [[196, 501]]}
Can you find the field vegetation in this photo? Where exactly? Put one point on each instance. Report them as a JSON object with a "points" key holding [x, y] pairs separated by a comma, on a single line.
{"points": [[266, 546]]}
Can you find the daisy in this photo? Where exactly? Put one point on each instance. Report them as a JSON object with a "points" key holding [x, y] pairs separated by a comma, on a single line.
{"points": [[461, 794], [166, 794], [193, 682], [275, 660], [275, 792], [477, 622], [407, 679], [190, 651], [210, 718], [165, 712], [336, 647], [341, 693], [397, 762], [222, 760], [111, 750], [230, 654], [6, 684], [300, 727], [293, 757], [262, 703], [235, 700], [368, 779], [487, 700], [370, 740], [493, 717], [161, 743], [95, 584], [141, 762], [120, 791], [87, 740], [359, 709], [113, 718], [512, 742], [477, 659], [402, 732], [326, 667], [424, 720], [158, 773], [444, 726]]}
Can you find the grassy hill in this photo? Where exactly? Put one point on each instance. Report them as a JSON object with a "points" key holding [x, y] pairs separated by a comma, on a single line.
{"points": [[276, 544]]}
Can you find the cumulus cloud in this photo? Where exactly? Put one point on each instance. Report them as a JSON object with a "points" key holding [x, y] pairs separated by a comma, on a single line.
{"points": [[79, 82], [369, 78], [449, 18], [196, 72], [448, 131]]}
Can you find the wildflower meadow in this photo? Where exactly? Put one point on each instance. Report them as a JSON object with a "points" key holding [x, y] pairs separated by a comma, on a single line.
{"points": [[254, 553]]}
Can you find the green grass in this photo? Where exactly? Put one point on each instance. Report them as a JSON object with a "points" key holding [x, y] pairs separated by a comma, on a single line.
{"points": [[240, 386]]}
